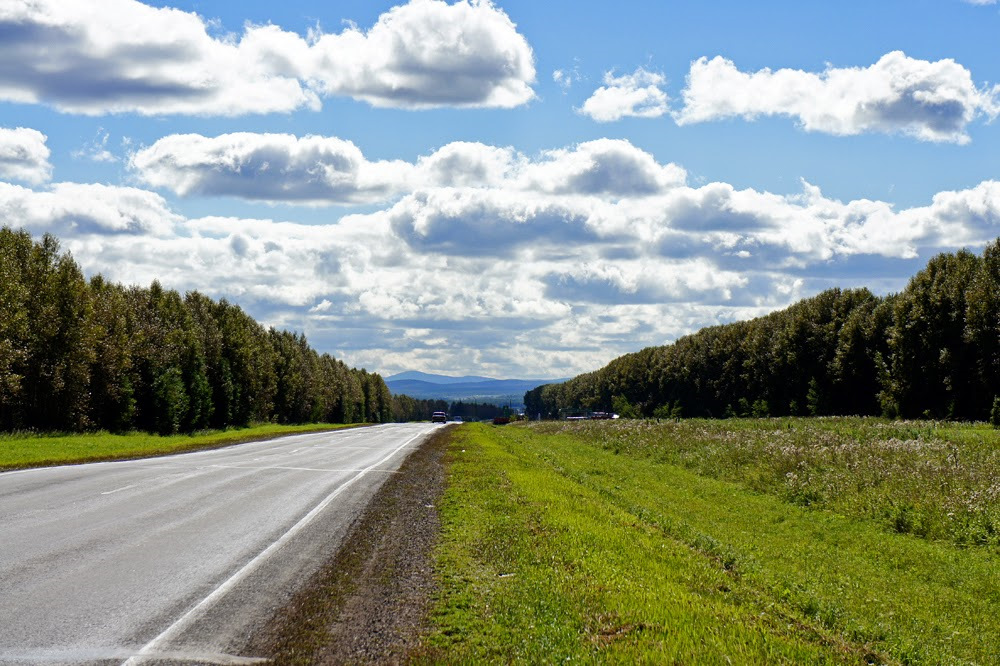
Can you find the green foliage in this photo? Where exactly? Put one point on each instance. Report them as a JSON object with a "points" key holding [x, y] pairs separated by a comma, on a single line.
{"points": [[930, 351], [621, 406], [813, 398], [995, 413], [671, 410], [170, 401], [78, 355]]}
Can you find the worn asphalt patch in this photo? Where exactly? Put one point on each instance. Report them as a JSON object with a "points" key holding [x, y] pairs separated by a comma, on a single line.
{"points": [[370, 602]]}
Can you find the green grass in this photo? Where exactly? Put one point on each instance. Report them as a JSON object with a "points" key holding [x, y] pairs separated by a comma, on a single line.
{"points": [[936, 480], [556, 548], [18, 451]]}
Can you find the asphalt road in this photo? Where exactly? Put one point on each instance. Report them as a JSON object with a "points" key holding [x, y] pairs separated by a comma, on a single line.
{"points": [[177, 559]]}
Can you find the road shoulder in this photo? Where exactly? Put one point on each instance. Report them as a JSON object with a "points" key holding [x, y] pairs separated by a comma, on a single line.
{"points": [[369, 603]]}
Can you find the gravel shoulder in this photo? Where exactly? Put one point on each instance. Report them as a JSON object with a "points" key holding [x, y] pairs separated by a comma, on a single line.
{"points": [[370, 602]]}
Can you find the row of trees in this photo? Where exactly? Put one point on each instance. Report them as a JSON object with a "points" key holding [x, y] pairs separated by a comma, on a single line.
{"points": [[406, 408], [78, 354], [932, 350]]}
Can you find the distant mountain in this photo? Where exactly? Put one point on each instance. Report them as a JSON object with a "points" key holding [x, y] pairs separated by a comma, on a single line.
{"points": [[468, 389], [436, 379]]}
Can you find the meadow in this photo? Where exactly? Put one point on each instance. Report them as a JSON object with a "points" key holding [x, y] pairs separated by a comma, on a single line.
{"points": [[937, 480], [738, 541], [19, 450]]}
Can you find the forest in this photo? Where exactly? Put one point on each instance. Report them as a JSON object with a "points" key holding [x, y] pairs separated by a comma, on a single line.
{"points": [[406, 408], [78, 354], [930, 351]]}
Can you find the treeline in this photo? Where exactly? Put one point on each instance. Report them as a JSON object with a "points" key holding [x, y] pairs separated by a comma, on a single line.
{"points": [[405, 408], [931, 351], [78, 354]]}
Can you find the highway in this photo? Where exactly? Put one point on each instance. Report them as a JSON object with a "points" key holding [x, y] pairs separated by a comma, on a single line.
{"points": [[178, 559]]}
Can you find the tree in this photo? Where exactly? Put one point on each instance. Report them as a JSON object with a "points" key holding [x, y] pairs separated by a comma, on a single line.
{"points": [[930, 355]]}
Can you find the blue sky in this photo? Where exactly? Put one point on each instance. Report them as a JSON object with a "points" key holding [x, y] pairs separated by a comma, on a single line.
{"points": [[512, 188]]}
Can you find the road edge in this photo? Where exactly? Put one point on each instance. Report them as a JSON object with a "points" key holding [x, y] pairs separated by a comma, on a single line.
{"points": [[369, 603]]}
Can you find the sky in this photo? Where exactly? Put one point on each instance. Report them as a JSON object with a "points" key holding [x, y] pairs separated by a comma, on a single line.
{"points": [[512, 188]]}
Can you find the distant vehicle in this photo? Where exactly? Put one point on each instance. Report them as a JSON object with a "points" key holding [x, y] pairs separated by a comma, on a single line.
{"points": [[439, 417], [457, 419]]}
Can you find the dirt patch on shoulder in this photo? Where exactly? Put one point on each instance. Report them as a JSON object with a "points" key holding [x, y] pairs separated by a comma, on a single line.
{"points": [[370, 603]]}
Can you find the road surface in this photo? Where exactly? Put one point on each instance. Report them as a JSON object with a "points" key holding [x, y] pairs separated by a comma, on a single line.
{"points": [[177, 559]]}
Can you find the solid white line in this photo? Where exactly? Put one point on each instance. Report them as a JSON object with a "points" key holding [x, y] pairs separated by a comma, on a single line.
{"points": [[294, 469], [118, 490], [147, 651]]}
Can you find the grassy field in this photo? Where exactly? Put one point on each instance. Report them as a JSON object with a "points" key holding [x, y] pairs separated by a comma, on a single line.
{"points": [[626, 542], [937, 480], [18, 451]]}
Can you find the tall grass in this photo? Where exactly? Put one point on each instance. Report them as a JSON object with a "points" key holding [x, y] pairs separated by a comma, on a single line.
{"points": [[936, 480]]}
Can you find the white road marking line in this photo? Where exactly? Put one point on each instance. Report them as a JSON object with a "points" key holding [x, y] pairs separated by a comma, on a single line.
{"points": [[118, 490], [47, 656], [148, 650], [296, 469]]}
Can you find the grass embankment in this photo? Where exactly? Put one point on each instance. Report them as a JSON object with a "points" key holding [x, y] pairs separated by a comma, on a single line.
{"points": [[19, 451], [577, 542]]}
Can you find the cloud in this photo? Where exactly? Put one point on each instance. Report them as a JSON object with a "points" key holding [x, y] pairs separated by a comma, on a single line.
{"points": [[551, 265], [636, 95], [487, 222], [607, 167], [565, 78], [115, 56], [930, 101], [469, 164], [24, 155], [428, 53], [97, 150], [328, 170], [75, 208], [269, 167]]}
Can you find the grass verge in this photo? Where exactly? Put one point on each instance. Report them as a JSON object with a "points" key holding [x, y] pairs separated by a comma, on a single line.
{"points": [[18, 451], [554, 548], [935, 480]]}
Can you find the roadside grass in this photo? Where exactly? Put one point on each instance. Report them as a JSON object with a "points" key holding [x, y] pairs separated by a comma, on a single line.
{"points": [[20, 450], [556, 548], [936, 480]]}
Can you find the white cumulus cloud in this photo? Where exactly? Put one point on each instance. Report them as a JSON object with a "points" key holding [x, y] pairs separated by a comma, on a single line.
{"points": [[636, 95], [329, 170], [269, 167], [428, 53], [931, 101], [78, 208], [112, 56], [24, 155], [604, 167]]}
